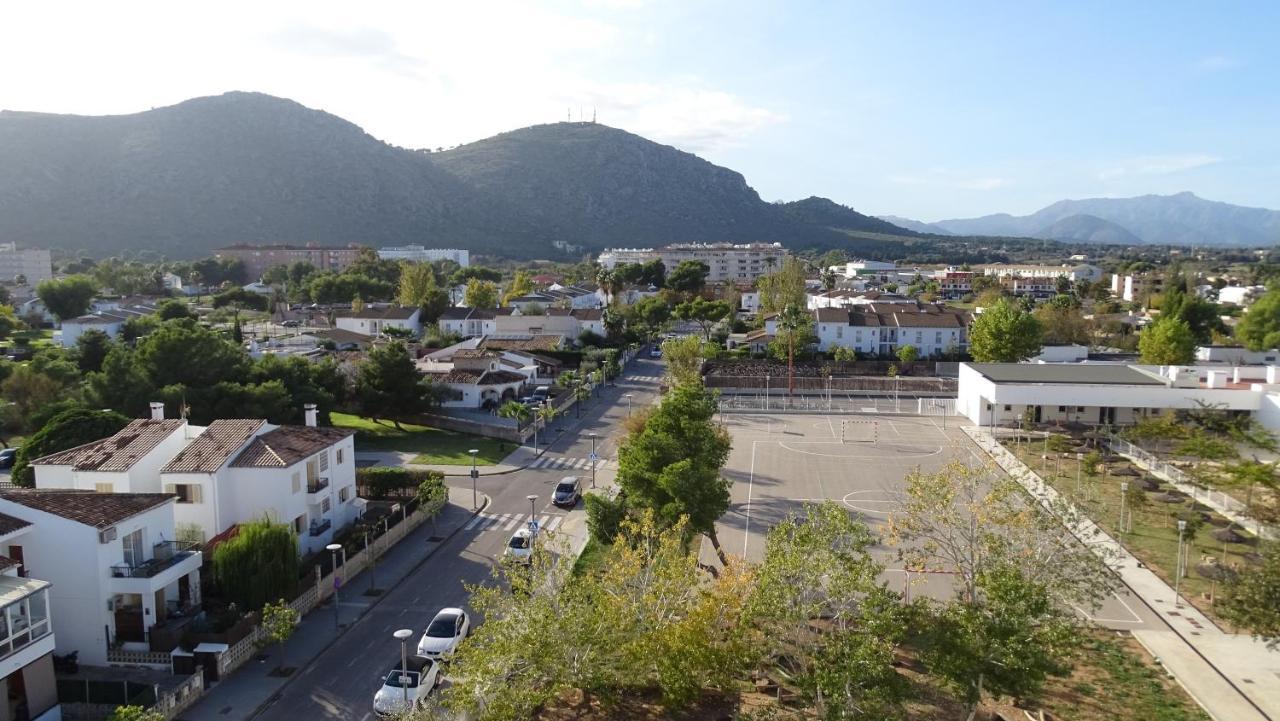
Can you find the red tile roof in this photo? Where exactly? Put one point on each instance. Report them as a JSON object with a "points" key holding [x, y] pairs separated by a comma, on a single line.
{"points": [[98, 510], [287, 445], [116, 453], [214, 446]]}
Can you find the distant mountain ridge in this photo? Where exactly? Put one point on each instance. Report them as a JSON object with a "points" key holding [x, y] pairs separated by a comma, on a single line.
{"points": [[1181, 219], [916, 225], [247, 167]]}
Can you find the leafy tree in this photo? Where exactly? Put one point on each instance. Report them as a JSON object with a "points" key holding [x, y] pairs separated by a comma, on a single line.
{"points": [[135, 713], [783, 288], [279, 620], [239, 299], [257, 564], [690, 276], [1168, 341], [480, 294], [520, 286], [672, 465], [684, 358], [418, 288], [1004, 333], [66, 430], [464, 276], [706, 313], [795, 332], [908, 353], [829, 279], [1252, 600], [1259, 329], [329, 287], [306, 381], [516, 411], [184, 353], [69, 297], [28, 390], [389, 384], [123, 383], [844, 353], [9, 321], [173, 309], [648, 317], [1063, 325], [217, 271]]}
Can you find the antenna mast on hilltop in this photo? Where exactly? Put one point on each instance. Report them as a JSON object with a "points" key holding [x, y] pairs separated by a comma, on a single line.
{"points": [[568, 115], [593, 116]]}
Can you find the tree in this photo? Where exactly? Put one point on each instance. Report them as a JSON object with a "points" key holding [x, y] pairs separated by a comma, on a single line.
{"points": [[480, 294], [690, 277], [684, 357], [648, 317], [135, 713], [9, 321], [1062, 325], [1168, 341], [1004, 333], [389, 384], [908, 353], [418, 288], [173, 309], [1252, 600], [66, 430], [783, 288], [829, 279], [240, 299], [672, 465], [795, 329], [29, 390], [68, 298], [520, 286], [432, 496], [516, 411], [91, 350], [257, 564], [279, 620], [464, 276], [184, 353], [706, 313], [844, 353], [123, 383], [1259, 329]]}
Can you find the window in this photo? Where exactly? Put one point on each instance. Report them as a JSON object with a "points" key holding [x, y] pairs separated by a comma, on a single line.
{"points": [[297, 482], [344, 494], [1062, 409], [1008, 407], [325, 505], [839, 331], [186, 492], [103, 487], [339, 461], [299, 525], [133, 548], [324, 461], [1079, 409], [937, 337]]}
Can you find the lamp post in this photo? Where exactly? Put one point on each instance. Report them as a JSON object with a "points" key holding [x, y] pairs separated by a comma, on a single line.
{"points": [[333, 549], [1177, 571], [766, 391], [1079, 468], [1124, 497], [828, 392], [628, 397], [475, 498], [593, 458], [403, 636], [533, 516]]}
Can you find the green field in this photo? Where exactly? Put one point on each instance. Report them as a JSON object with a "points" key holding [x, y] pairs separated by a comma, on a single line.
{"points": [[433, 445]]}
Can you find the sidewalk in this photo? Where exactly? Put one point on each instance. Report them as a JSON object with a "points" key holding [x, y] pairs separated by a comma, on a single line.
{"points": [[1232, 676], [239, 695]]}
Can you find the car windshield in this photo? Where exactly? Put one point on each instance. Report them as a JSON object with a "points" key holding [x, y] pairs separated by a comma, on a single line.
{"points": [[519, 542], [410, 679], [564, 488], [442, 627]]}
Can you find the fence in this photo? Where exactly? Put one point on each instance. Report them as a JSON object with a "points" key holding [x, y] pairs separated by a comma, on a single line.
{"points": [[89, 699], [809, 385]]}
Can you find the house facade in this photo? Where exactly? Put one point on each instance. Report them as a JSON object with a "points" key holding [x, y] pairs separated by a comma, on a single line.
{"points": [[27, 639], [468, 322], [880, 329], [375, 320]]}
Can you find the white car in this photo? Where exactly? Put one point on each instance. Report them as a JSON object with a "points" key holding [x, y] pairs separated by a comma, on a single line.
{"points": [[403, 692], [520, 547], [445, 632]]}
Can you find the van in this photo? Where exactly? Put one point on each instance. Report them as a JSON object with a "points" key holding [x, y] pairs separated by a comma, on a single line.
{"points": [[541, 393]]}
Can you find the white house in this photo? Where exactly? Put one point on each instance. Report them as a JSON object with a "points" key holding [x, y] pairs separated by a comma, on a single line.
{"points": [[27, 637], [115, 567], [468, 322], [478, 379], [881, 329], [373, 320], [1236, 356], [225, 474], [1074, 273], [1240, 295], [107, 321]]}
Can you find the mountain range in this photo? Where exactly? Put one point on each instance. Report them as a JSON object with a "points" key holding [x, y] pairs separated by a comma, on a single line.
{"points": [[1181, 219], [247, 167]]}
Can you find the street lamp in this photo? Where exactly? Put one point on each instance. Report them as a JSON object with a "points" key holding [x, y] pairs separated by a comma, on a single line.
{"points": [[475, 499], [1124, 496], [766, 391], [593, 458], [628, 397], [533, 515], [403, 636], [828, 391], [1177, 571], [333, 549]]}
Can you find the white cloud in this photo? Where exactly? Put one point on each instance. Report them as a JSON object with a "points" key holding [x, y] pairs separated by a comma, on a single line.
{"points": [[947, 178], [1158, 165]]}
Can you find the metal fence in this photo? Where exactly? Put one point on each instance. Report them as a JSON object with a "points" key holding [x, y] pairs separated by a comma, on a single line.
{"points": [[837, 403]]}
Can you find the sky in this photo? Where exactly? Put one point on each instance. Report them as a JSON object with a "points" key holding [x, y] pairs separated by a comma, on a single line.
{"points": [[927, 110]]}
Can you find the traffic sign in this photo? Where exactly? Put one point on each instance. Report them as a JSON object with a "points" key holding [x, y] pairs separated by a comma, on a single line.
{"points": [[475, 473], [594, 456]]}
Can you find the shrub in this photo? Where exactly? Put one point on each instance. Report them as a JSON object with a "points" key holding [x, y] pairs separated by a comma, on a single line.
{"points": [[390, 481], [258, 564]]}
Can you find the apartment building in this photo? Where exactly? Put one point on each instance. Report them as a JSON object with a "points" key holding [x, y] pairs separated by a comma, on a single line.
{"points": [[258, 258], [33, 264], [1073, 273], [732, 262], [1131, 288], [27, 639], [880, 329], [420, 254], [375, 319]]}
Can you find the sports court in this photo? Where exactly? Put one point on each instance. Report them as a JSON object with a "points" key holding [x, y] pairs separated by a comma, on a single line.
{"points": [[781, 461]]}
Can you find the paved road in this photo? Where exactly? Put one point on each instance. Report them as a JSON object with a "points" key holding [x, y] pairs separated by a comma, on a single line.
{"points": [[341, 683]]}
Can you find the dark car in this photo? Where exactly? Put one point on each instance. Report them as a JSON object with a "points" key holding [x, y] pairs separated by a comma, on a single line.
{"points": [[7, 456], [291, 323], [568, 492]]}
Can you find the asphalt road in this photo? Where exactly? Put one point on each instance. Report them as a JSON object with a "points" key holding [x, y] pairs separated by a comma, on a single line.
{"points": [[341, 683]]}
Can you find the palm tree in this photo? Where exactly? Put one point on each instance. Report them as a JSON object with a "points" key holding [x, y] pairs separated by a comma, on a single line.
{"points": [[791, 319], [514, 409], [828, 279]]}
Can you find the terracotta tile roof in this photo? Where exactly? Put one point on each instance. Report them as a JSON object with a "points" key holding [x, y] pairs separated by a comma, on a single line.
{"points": [[501, 377], [390, 312], [9, 524], [118, 452], [467, 314], [461, 375], [214, 446], [98, 510], [342, 335], [587, 313], [287, 445], [550, 341]]}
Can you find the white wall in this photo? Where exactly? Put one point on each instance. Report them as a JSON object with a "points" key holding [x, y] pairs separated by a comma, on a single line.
{"points": [[72, 330]]}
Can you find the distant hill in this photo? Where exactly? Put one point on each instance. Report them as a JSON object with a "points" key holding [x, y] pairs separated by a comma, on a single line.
{"points": [[916, 225], [829, 214], [1083, 228], [1182, 219], [246, 167]]}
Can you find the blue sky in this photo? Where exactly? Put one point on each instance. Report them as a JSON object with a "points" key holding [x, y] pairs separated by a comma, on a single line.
{"points": [[924, 109]]}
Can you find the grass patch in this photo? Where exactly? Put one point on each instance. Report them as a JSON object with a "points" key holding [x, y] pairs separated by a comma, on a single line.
{"points": [[433, 445], [591, 559]]}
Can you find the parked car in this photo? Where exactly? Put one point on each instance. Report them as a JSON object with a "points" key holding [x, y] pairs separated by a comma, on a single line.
{"points": [[520, 547], [655, 352], [542, 393], [7, 457], [416, 683], [444, 633], [291, 323], [568, 492]]}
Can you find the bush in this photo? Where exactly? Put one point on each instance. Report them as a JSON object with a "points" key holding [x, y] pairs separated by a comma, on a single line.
{"points": [[604, 517], [259, 564], [390, 481]]}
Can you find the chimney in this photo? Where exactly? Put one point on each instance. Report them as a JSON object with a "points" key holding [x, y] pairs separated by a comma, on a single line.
{"points": [[309, 411], [157, 411]]}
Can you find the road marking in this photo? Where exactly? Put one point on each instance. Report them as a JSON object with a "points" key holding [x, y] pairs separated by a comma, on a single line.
{"points": [[554, 523], [515, 518], [751, 479]]}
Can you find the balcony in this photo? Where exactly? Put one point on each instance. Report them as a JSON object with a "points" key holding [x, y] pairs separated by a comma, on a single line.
{"points": [[318, 529], [316, 485], [165, 555]]}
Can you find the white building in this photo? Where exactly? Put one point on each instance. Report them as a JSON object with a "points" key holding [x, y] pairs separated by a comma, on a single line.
{"points": [[478, 379], [115, 567], [27, 639], [1240, 295], [420, 254], [1073, 273], [467, 322], [225, 474], [881, 329], [559, 321], [1130, 288], [1006, 393], [855, 268], [615, 257], [33, 264], [1236, 356], [107, 321], [734, 262], [373, 320]]}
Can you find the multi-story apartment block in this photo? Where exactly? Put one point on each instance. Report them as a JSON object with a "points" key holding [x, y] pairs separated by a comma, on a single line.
{"points": [[615, 257], [881, 329], [420, 254], [733, 262], [1053, 272], [27, 641], [258, 258], [1130, 288], [30, 263]]}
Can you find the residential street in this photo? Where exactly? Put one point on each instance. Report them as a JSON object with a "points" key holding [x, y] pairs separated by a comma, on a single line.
{"points": [[340, 683]]}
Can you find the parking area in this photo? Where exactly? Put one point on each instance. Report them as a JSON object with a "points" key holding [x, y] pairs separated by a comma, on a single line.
{"points": [[781, 461]]}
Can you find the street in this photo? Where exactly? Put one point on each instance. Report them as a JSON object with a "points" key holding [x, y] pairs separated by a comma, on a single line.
{"points": [[340, 684]]}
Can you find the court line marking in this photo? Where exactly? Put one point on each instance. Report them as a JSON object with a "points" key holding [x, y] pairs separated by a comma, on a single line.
{"points": [[751, 479], [887, 455]]}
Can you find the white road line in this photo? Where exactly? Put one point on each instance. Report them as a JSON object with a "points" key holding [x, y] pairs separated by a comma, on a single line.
{"points": [[554, 523], [498, 520], [474, 522], [751, 479], [515, 518]]}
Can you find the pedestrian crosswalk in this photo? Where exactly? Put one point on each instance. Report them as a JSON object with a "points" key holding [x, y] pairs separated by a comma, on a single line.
{"points": [[559, 463], [508, 522], [645, 379]]}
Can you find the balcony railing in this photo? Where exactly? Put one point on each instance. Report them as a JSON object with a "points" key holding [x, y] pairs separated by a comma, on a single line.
{"points": [[165, 555], [316, 485], [318, 529]]}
